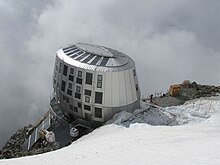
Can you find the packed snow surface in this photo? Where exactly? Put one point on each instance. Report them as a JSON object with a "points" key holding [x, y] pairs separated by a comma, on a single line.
{"points": [[196, 141]]}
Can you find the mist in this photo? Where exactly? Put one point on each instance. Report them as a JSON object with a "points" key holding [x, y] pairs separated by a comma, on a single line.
{"points": [[170, 41]]}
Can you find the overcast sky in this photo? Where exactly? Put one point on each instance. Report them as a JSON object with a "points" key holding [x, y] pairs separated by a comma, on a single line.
{"points": [[170, 41]]}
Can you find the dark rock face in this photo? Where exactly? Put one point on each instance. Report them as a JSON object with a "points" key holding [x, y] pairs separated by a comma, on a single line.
{"points": [[188, 91], [13, 147]]}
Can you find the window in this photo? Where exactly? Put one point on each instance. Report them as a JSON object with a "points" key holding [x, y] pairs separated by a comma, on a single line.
{"points": [[63, 86], [98, 112], [75, 109], [69, 92], [134, 72], [80, 105], [56, 68], [71, 107], [78, 89], [87, 99], [136, 86], [79, 73], [89, 78], [87, 107], [88, 92], [79, 81], [99, 81], [98, 97], [99, 84], [65, 68], [71, 70], [70, 85], [77, 95], [71, 77], [99, 78]]}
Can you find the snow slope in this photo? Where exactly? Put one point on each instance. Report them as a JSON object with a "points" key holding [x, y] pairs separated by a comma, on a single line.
{"points": [[192, 143]]}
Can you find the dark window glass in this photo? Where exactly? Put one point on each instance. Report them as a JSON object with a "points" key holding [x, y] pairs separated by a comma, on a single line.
{"points": [[98, 112], [71, 77], [63, 86], [65, 68], [136, 86], [88, 92], [71, 70], [80, 105], [89, 78], [79, 73], [69, 92], [67, 99], [87, 99], [87, 107], [71, 107], [77, 95], [70, 85], [134, 72], [78, 89], [99, 84], [98, 97], [79, 81], [75, 109]]}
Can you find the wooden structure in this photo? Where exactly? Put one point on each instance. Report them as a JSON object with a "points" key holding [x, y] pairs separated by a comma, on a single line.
{"points": [[174, 90]]}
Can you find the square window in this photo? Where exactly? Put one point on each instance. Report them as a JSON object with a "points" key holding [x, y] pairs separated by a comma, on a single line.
{"points": [[71, 70], [71, 107], [71, 77], [79, 73], [77, 95], [99, 84], [88, 92], [87, 99], [98, 112], [98, 97], [63, 86], [69, 92], [99, 78], [75, 109], [89, 78], [79, 81], [78, 89], [80, 105], [87, 107]]}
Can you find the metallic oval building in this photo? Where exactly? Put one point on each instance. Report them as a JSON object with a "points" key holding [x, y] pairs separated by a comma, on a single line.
{"points": [[94, 82]]}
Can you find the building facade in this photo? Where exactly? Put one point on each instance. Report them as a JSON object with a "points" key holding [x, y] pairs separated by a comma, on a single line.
{"points": [[94, 82]]}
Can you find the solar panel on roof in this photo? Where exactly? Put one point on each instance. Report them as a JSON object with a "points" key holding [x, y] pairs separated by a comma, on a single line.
{"points": [[81, 52], [68, 54], [81, 57], [104, 61], [75, 55], [95, 60], [71, 49], [68, 47], [88, 58]]}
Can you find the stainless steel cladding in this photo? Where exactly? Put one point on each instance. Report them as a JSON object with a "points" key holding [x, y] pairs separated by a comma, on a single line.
{"points": [[94, 82]]}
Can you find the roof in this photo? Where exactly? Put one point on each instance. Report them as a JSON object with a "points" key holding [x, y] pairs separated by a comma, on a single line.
{"points": [[97, 57]]}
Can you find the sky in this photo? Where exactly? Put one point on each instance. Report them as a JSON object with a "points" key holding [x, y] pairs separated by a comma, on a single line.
{"points": [[170, 41]]}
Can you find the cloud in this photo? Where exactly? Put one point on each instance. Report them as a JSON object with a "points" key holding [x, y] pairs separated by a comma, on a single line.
{"points": [[170, 41]]}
